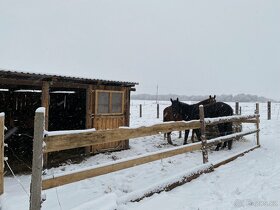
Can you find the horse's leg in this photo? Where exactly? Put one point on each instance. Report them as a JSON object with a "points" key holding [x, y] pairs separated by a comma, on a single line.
{"points": [[193, 136], [186, 136], [221, 131], [225, 129], [229, 131], [169, 138], [225, 144], [229, 144], [198, 134], [164, 136]]}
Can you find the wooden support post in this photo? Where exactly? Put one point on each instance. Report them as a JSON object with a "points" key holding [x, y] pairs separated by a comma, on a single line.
{"points": [[236, 108], [269, 110], [180, 134], [157, 110], [88, 113], [258, 124], [2, 126], [36, 177], [240, 110], [45, 102], [140, 110], [203, 138]]}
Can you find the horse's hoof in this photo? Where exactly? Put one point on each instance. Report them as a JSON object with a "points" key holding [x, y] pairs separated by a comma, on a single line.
{"points": [[217, 149]]}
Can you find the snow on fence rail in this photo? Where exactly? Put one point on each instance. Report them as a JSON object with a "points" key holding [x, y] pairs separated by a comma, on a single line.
{"points": [[55, 142]]}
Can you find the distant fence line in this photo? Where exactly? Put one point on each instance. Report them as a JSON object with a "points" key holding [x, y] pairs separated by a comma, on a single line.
{"points": [[238, 110]]}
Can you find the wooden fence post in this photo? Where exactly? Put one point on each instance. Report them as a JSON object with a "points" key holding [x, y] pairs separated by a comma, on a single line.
{"points": [[269, 110], [157, 110], [203, 138], [258, 123], [37, 161], [140, 110], [236, 108], [2, 127]]}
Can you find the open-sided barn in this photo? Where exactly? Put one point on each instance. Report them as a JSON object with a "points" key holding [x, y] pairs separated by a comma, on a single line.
{"points": [[71, 103]]}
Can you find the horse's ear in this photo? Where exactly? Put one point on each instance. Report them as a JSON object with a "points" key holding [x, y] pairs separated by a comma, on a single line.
{"points": [[214, 96], [171, 100], [210, 96], [177, 99]]}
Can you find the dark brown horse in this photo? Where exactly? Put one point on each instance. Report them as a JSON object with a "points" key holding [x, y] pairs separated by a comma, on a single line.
{"points": [[169, 116], [218, 109]]}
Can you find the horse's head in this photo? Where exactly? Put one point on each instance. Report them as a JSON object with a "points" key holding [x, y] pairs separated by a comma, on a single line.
{"points": [[177, 109], [212, 100]]}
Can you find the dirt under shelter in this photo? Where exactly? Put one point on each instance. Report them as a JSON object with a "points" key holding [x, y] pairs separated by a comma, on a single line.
{"points": [[71, 103]]}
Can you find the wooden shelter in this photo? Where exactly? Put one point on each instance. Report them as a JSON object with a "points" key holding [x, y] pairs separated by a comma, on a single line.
{"points": [[71, 103]]}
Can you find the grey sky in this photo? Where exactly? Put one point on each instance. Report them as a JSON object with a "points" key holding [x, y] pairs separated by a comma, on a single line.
{"points": [[186, 47]]}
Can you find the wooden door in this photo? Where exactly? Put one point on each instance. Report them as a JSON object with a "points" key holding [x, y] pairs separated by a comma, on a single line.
{"points": [[108, 113]]}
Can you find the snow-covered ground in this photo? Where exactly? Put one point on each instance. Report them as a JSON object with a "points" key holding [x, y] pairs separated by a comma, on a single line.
{"points": [[248, 182]]}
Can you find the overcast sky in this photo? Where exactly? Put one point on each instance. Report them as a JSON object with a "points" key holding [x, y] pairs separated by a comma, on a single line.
{"points": [[197, 47]]}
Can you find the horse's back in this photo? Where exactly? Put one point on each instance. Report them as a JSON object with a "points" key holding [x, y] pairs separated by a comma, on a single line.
{"points": [[218, 109]]}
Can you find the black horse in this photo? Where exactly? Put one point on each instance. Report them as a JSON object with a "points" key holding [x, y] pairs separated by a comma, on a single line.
{"points": [[169, 116], [191, 112]]}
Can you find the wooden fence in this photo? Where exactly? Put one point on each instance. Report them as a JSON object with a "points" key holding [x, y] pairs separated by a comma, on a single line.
{"points": [[45, 142]]}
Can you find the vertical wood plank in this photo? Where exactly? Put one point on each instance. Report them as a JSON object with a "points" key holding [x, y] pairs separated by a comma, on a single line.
{"points": [[36, 177], [126, 120], [89, 107], [2, 119], [45, 102], [127, 107], [140, 110], [203, 138], [88, 113], [258, 123]]}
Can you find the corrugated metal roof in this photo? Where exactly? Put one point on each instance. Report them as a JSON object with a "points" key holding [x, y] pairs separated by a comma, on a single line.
{"points": [[42, 76]]}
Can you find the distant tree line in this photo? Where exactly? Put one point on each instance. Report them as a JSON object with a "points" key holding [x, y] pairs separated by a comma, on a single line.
{"points": [[227, 98]]}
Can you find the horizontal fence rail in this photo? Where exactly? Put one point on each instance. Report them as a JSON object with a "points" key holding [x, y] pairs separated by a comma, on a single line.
{"points": [[236, 118], [59, 180], [71, 141], [229, 137], [59, 142]]}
